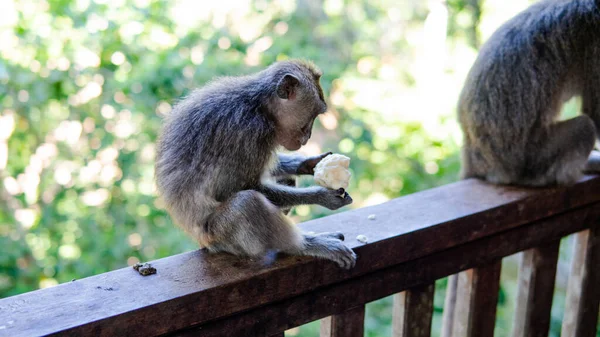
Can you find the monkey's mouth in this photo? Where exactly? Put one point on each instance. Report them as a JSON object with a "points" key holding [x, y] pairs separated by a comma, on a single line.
{"points": [[304, 137]]}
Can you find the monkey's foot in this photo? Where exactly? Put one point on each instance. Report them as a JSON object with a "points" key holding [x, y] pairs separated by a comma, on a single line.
{"points": [[344, 256], [333, 235]]}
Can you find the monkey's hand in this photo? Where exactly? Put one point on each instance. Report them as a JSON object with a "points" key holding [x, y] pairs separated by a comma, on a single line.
{"points": [[333, 199], [307, 166]]}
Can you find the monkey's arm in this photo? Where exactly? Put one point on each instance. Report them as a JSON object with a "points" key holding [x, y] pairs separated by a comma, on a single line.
{"points": [[286, 196], [296, 164]]}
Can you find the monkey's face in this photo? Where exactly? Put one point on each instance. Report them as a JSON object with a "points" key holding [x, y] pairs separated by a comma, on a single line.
{"points": [[300, 102], [295, 127]]}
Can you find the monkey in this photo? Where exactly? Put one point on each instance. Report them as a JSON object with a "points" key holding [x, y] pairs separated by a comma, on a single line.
{"points": [[512, 97], [510, 103], [218, 164]]}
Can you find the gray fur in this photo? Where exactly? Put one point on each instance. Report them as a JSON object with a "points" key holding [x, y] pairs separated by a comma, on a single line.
{"points": [[218, 171], [514, 92]]}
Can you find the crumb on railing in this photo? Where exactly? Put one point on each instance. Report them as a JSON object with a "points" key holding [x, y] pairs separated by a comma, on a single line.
{"points": [[362, 238]]}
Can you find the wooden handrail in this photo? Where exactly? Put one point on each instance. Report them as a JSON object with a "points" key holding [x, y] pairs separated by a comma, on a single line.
{"points": [[413, 241]]}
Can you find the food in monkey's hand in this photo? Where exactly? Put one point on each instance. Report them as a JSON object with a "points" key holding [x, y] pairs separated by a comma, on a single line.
{"points": [[332, 172]]}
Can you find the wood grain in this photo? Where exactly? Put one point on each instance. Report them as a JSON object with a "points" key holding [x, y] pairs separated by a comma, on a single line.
{"points": [[412, 312], [477, 298], [449, 306], [195, 287], [583, 291], [350, 323], [363, 289], [535, 291]]}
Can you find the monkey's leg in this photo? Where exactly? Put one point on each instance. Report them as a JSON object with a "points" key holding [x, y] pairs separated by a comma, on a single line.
{"points": [[591, 98], [473, 164], [560, 155], [591, 82], [248, 224], [593, 163], [285, 196]]}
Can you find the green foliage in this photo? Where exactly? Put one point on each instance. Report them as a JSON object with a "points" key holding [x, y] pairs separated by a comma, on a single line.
{"points": [[83, 85]]}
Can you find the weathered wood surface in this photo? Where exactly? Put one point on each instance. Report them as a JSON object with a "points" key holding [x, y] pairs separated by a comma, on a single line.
{"points": [[363, 289], [449, 306], [350, 323], [537, 273], [187, 287], [412, 312], [583, 291], [477, 299]]}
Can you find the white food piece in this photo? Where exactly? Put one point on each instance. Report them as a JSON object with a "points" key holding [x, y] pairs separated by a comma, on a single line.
{"points": [[372, 217], [332, 172], [361, 238]]}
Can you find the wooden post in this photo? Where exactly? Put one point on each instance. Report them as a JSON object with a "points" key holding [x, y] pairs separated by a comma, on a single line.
{"points": [[412, 312], [350, 323], [536, 289], [583, 292], [476, 301], [449, 306]]}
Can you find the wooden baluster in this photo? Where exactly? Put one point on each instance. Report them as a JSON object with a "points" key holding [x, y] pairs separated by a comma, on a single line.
{"points": [[583, 292], [476, 301], [449, 306], [536, 288], [412, 313], [350, 323]]}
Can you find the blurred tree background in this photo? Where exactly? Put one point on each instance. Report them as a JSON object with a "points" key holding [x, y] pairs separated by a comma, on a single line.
{"points": [[83, 85]]}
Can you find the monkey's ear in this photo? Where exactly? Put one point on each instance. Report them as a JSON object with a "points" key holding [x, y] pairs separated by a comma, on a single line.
{"points": [[286, 87]]}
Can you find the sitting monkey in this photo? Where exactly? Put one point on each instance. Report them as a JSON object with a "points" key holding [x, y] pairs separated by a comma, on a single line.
{"points": [[217, 167], [514, 92]]}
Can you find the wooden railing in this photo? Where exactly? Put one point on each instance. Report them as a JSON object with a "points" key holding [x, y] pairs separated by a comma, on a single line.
{"points": [[466, 227]]}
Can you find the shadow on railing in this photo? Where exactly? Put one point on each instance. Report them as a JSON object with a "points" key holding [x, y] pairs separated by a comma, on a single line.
{"points": [[466, 227]]}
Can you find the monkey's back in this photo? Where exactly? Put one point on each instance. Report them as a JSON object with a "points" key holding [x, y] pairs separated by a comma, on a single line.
{"points": [[521, 77], [208, 148]]}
